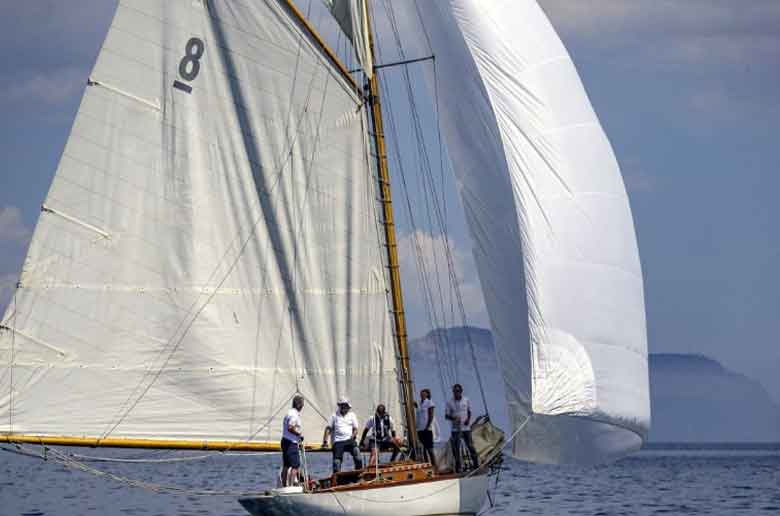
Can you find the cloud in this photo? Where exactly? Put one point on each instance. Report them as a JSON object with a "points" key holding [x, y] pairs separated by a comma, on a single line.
{"points": [[12, 228], [636, 179], [426, 275], [49, 48], [691, 31], [56, 16], [60, 86]]}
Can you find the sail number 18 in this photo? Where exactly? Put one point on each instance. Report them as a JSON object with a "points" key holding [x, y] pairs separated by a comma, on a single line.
{"points": [[189, 67]]}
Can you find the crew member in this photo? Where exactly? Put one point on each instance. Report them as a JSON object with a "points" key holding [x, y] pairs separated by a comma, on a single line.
{"points": [[425, 421], [382, 435], [292, 438], [458, 412], [343, 429]]}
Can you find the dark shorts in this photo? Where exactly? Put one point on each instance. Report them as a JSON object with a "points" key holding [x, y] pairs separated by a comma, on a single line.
{"points": [[291, 457], [426, 438], [387, 442]]}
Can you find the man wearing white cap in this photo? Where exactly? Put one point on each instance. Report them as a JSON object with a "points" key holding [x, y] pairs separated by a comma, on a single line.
{"points": [[343, 428]]}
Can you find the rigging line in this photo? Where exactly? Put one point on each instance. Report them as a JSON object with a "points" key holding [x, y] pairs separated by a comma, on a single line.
{"points": [[442, 218], [278, 174], [88, 458], [192, 320], [414, 242], [155, 487], [425, 166], [72, 461], [65, 460], [470, 474], [417, 252], [440, 143], [301, 219], [424, 28], [371, 197], [192, 307], [293, 209]]}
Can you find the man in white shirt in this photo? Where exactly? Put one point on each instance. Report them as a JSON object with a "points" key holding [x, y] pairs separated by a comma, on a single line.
{"points": [[292, 437], [343, 428], [458, 413], [383, 435], [425, 421]]}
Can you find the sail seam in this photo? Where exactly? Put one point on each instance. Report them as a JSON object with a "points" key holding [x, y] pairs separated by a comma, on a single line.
{"points": [[328, 372], [199, 290]]}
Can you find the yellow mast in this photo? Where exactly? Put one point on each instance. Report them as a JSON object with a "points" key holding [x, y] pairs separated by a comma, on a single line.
{"points": [[392, 248], [309, 28]]}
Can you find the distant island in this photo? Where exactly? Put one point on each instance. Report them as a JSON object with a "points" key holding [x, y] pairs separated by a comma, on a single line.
{"points": [[693, 398]]}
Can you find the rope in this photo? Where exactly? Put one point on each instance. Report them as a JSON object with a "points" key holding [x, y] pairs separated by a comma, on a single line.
{"points": [[77, 462], [439, 211], [446, 366], [471, 473], [188, 325]]}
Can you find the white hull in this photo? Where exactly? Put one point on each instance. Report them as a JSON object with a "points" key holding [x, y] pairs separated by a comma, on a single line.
{"points": [[462, 497]]}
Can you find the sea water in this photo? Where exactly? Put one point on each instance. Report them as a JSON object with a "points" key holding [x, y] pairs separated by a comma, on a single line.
{"points": [[667, 481]]}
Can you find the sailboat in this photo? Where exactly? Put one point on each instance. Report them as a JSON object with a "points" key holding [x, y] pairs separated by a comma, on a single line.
{"points": [[219, 237]]}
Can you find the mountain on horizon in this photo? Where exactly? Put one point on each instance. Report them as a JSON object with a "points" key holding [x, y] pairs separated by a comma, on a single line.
{"points": [[693, 398]]}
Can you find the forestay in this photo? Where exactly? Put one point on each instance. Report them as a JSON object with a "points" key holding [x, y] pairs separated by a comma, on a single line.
{"points": [[553, 236], [209, 244]]}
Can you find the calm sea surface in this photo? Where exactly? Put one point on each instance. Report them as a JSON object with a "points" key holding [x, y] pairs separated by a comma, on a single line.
{"points": [[683, 481]]}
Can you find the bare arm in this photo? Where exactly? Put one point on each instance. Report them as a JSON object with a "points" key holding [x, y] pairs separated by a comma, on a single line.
{"points": [[294, 431], [363, 437], [430, 418], [325, 436]]}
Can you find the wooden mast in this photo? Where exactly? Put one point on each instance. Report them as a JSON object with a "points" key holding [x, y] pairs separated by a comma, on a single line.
{"points": [[399, 316]]}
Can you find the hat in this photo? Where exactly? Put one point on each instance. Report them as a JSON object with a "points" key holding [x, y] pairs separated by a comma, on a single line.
{"points": [[344, 401]]}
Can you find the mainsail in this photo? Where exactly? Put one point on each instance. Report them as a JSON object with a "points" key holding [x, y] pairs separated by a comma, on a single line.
{"points": [[552, 230], [210, 244]]}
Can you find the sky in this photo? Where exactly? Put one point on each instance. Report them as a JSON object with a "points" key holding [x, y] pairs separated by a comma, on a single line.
{"points": [[688, 92]]}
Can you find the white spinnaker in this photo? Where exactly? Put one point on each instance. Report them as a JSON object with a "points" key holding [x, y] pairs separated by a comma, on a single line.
{"points": [[552, 230], [204, 254]]}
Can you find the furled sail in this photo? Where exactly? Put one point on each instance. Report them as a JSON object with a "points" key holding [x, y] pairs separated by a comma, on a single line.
{"points": [[549, 217], [209, 246]]}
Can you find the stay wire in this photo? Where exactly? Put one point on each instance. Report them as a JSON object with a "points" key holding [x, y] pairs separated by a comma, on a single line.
{"points": [[442, 219], [414, 242], [186, 323], [73, 461], [429, 188]]}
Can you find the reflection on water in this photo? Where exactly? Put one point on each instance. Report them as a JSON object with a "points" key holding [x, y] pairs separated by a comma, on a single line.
{"points": [[654, 482]]}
